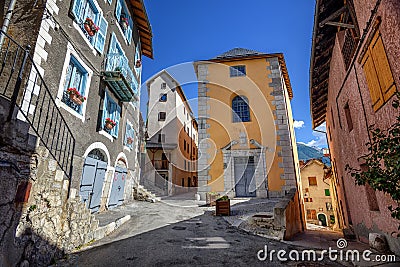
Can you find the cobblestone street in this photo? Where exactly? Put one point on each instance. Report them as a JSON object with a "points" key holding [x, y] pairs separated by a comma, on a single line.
{"points": [[166, 234]]}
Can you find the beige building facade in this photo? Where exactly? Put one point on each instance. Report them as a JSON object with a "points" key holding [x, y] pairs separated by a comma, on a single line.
{"points": [[317, 193], [171, 162]]}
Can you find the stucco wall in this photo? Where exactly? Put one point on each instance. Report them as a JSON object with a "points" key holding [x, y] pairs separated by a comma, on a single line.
{"points": [[348, 146]]}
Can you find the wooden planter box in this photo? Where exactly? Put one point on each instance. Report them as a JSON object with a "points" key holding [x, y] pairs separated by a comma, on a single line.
{"points": [[211, 199], [223, 207]]}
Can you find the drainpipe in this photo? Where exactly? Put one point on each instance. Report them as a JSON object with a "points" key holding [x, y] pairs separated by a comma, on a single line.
{"points": [[7, 20]]}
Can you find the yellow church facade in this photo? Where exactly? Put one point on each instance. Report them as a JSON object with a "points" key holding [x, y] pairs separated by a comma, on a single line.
{"points": [[247, 144]]}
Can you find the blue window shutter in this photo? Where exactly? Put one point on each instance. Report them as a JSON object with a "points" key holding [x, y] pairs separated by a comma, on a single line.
{"points": [[118, 8], [105, 110], [109, 1], [129, 34], [115, 111], [101, 34], [76, 9], [132, 134], [111, 57]]}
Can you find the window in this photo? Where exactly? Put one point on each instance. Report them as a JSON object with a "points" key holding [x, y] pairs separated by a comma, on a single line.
{"points": [[371, 198], [163, 98], [129, 135], [184, 162], [76, 77], [236, 71], [183, 182], [112, 111], [333, 119], [138, 61], [189, 182], [124, 20], [161, 138], [311, 214], [162, 116], [184, 144], [312, 181], [327, 193], [328, 206], [378, 73], [163, 85], [349, 46], [85, 10], [348, 117], [305, 199], [240, 108]]}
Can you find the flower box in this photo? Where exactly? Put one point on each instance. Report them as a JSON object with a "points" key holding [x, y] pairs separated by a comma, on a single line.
{"points": [[90, 27], [75, 96], [223, 206], [109, 124], [138, 63], [129, 140], [124, 23]]}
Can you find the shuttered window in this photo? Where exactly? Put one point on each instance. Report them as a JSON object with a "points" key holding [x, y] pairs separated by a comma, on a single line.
{"points": [[125, 21], [111, 110], [129, 135], [83, 9], [378, 73]]}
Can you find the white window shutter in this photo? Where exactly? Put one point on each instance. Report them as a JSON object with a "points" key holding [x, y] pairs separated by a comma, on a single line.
{"points": [[105, 111], [111, 57], [109, 1], [117, 114], [101, 34]]}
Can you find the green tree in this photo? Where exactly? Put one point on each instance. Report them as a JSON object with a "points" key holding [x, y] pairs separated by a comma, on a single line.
{"points": [[382, 163]]}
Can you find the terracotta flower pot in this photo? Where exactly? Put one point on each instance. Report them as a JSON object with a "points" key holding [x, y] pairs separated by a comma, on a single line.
{"points": [[109, 125], [74, 98], [124, 25], [129, 141]]}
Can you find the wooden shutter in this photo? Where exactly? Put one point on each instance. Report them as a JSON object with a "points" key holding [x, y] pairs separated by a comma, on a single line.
{"points": [[101, 34], [372, 81], [382, 66]]}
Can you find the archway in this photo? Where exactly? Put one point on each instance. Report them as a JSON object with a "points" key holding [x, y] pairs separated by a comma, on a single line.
{"points": [[93, 175]]}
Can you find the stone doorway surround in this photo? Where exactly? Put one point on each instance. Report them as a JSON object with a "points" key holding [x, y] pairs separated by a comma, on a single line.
{"points": [[260, 173]]}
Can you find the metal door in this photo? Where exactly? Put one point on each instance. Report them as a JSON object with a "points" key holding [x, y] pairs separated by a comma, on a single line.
{"points": [[244, 172], [90, 191], [118, 187]]}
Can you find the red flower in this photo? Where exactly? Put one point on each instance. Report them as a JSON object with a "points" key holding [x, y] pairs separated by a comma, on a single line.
{"points": [[108, 120]]}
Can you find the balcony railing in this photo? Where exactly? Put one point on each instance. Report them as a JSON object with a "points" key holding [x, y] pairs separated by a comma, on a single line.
{"points": [[161, 164], [120, 78]]}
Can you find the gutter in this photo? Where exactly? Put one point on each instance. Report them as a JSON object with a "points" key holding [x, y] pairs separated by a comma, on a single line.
{"points": [[7, 20]]}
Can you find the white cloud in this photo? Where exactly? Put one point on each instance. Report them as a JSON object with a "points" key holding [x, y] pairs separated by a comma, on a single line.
{"points": [[298, 124], [320, 138]]}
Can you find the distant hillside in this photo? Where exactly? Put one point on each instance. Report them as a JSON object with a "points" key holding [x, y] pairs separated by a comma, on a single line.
{"points": [[307, 152]]}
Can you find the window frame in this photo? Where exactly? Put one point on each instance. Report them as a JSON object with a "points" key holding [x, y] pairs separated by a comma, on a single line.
{"points": [[312, 184], [235, 72], [131, 131], [160, 117], [114, 113], [96, 42], [71, 53], [236, 104], [121, 6], [161, 98]]}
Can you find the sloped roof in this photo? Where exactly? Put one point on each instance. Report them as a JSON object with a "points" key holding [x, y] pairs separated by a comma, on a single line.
{"points": [[238, 52]]}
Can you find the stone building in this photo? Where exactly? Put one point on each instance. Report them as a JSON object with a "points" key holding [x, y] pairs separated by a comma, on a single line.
{"points": [[71, 115], [171, 162], [316, 185], [354, 75], [247, 145]]}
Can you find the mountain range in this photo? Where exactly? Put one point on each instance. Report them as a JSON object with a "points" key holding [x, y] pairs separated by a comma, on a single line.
{"points": [[308, 152]]}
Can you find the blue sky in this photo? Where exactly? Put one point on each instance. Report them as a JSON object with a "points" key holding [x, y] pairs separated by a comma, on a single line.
{"points": [[186, 31]]}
